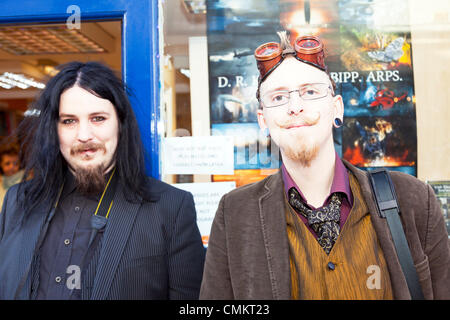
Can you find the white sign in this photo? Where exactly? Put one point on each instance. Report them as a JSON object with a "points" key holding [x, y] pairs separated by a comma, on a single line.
{"points": [[198, 155], [206, 198]]}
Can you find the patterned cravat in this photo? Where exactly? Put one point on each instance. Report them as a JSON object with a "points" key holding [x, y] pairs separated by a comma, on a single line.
{"points": [[324, 221]]}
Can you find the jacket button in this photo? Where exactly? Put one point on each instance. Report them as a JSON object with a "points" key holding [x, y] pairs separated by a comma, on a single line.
{"points": [[58, 279], [331, 266]]}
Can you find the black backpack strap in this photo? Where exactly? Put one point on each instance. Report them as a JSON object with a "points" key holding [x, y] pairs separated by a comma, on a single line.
{"points": [[386, 199]]}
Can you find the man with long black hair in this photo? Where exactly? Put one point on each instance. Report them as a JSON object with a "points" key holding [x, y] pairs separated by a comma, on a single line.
{"points": [[90, 224]]}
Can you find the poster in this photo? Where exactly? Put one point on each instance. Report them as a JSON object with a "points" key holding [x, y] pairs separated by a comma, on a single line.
{"points": [[234, 30], [380, 118], [251, 148], [368, 53], [442, 191]]}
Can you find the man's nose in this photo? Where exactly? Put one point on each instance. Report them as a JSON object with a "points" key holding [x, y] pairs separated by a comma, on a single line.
{"points": [[295, 105], [84, 132]]}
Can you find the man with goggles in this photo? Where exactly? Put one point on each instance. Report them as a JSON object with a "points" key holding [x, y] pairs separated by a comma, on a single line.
{"points": [[312, 230]]}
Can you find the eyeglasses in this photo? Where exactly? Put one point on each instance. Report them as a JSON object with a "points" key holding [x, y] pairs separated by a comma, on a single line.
{"points": [[307, 92], [308, 49]]}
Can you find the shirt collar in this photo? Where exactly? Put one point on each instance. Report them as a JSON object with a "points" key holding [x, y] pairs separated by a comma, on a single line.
{"points": [[69, 184], [341, 182]]}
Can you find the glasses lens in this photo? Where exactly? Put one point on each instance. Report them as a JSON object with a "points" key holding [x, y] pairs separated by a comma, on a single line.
{"points": [[275, 98], [306, 92], [313, 91]]}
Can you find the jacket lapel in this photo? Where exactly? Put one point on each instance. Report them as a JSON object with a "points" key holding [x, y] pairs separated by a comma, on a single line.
{"points": [[118, 229], [273, 222], [398, 281], [33, 232]]}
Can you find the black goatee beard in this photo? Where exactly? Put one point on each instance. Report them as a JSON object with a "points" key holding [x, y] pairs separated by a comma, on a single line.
{"points": [[90, 181]]}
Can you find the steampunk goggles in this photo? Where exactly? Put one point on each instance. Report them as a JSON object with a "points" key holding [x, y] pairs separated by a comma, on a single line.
{"points": [[307, 49]]}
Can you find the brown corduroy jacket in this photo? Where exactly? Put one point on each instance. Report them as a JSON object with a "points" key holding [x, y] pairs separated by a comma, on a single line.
{"points": [[248, 254]]}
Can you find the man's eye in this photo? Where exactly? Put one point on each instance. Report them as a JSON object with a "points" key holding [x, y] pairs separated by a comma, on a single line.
{"points": [[310, 92], [98, 119], [279, 98], [68, 121]]}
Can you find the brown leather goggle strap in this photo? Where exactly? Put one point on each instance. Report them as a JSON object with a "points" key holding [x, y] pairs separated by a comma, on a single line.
{"points": [[267, 66]]}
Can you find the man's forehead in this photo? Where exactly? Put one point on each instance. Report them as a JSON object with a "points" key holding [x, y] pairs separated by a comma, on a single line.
{"points": [[85, 111], [77, 101], [293, 73]]}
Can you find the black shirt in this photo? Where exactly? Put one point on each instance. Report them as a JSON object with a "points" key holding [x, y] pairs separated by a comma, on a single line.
{"points": [[64, 251]]}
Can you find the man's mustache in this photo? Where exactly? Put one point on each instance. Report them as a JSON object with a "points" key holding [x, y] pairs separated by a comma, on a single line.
{"points": [[87, 146], [308, 119]]}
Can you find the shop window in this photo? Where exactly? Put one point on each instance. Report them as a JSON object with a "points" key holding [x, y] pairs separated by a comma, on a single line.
{"points": [[387, 58]]}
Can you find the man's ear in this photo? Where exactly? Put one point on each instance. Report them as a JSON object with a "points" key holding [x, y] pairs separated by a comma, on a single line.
{"points": [[338, 107], [261, 120]]}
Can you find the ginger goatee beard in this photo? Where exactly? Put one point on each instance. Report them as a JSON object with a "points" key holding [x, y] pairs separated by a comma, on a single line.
{"points": [[301, 151], [302, 154]]}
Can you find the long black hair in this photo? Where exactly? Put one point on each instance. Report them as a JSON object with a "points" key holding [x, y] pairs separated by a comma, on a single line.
{"points": [[38, 132]]}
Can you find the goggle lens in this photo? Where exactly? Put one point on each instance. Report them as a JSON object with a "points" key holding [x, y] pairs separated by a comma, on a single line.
{"points": [[308, 45], [308, 49], [268, 51]]}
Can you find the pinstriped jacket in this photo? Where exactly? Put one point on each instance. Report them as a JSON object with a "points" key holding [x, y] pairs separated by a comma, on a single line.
{"points": [[150, 250]]}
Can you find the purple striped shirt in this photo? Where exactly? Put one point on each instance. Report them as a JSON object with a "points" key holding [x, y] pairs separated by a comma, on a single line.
{"points": [[341, 183]]}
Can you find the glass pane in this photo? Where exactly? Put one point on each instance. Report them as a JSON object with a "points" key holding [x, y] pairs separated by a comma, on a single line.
{"points": [[387, 58]]}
